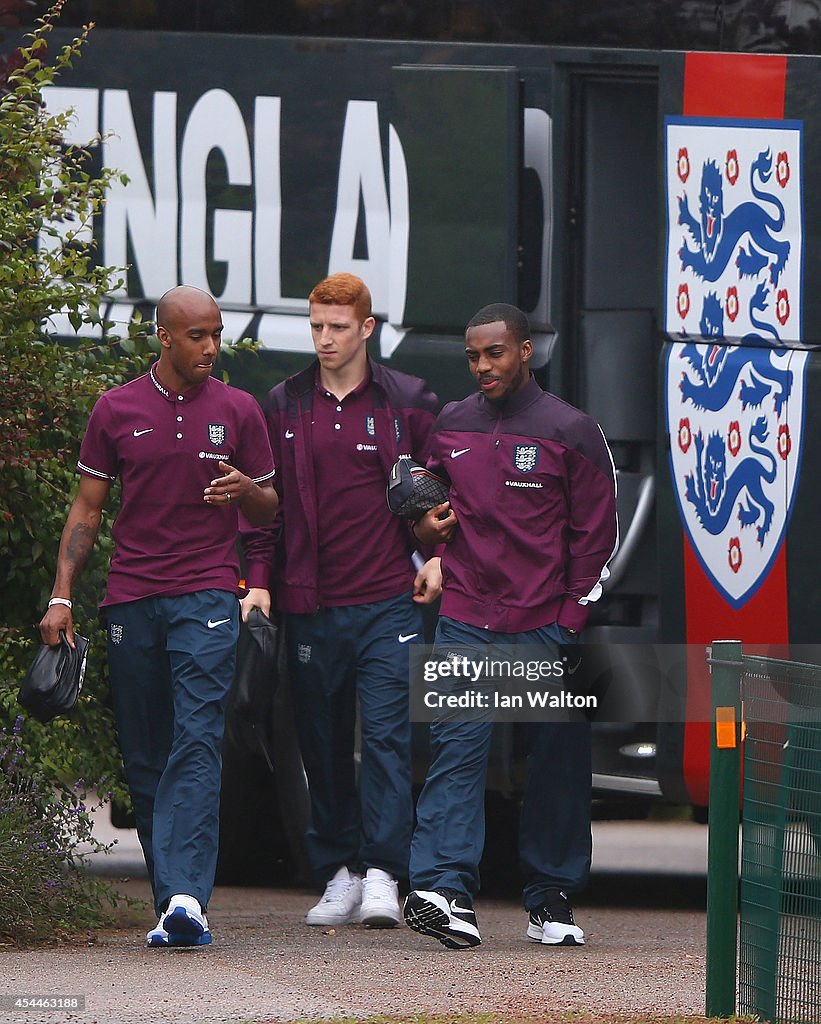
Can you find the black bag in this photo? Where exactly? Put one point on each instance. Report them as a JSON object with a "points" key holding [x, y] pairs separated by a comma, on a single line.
{"points": [[53, 683], [412, 489], [249, 710]]}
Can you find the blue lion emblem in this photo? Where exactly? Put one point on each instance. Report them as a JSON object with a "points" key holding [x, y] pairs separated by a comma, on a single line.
{"points": [[719, 366], [714, 495], [716, 235]]}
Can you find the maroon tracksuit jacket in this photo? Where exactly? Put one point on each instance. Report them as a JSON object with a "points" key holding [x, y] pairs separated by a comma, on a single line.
{"points": [[533, 485]]}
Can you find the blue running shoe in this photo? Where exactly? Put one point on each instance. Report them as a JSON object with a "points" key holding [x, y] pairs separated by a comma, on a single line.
{"points": [[182, 924]]}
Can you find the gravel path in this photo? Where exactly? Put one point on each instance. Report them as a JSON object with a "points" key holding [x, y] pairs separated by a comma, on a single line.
{"points": [[266, 965]]}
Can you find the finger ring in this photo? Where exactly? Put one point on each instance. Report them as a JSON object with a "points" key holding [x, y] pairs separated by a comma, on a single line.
{"points": [[228, 495]]}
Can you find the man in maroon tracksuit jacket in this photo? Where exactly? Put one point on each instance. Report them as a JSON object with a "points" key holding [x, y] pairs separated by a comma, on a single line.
{"points": [[344, 580], [529, 532]]}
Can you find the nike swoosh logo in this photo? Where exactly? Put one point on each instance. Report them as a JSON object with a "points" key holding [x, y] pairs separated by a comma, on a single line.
{"points": [[454, 454], [219, 622], [289, 434], [404, 637], [139, 433]]}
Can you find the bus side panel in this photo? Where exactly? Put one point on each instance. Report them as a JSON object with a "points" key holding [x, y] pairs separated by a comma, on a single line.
{"points": [[736, 382]]}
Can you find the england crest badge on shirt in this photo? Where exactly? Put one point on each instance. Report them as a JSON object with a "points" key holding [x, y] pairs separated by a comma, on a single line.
{"points": [[216, 433], [525, 457], [735, 371]]}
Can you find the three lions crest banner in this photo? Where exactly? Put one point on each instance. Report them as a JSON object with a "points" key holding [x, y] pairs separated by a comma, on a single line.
{"points": [[735, 381]]}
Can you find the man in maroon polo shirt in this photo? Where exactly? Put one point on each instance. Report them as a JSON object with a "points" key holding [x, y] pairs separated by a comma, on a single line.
{"points": [[344, 577], [189, 452]]}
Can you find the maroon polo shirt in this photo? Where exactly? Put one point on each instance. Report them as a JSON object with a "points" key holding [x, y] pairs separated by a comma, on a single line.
{"points": [[166, 448], [363, 552]]}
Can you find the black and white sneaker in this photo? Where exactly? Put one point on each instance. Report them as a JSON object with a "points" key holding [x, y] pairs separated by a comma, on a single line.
{"points": [[553, 924], [445, 914]]}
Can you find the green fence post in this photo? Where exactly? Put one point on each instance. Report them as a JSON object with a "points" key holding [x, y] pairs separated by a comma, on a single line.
{"points": [[766, 811], [722, 841]]}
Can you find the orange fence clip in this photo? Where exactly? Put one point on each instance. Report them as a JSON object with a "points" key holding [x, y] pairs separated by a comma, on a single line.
{"points": [[725, 728]]}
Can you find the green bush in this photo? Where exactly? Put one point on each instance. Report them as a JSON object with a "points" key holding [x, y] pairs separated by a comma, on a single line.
{"points": [[50, 193], [50, 198], [45, 893]]}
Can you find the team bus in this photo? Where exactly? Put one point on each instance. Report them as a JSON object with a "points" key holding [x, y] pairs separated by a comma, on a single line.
{"points": [[646, 187]]}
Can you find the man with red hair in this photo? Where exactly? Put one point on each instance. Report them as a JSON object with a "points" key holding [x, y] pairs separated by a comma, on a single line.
{"points": [[344, 578]]}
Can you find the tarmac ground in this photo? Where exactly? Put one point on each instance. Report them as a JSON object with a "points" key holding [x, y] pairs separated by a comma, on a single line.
{"points": [[643, 916]]}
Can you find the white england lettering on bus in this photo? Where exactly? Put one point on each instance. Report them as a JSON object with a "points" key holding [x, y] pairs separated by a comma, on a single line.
{"points": [[361, 172], [268, 206], [215, 123], [132, 212], [400, 232], [141, 218]]}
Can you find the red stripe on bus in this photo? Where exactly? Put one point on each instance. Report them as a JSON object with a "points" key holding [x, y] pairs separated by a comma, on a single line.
{"points": [[759, 623], [753, 86], [750, 85]]}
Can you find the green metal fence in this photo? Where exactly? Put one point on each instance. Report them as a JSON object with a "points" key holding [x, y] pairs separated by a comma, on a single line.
{"points": [[779, 902], [780, 935]]}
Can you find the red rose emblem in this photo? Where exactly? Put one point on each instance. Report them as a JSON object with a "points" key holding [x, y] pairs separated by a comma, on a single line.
{"points": [[683, 164], [731, 303], [731, 166], [685, 437], [782, 306], [683, 301], [784, 441], [734, 438], [734, 554], [782, 169]]}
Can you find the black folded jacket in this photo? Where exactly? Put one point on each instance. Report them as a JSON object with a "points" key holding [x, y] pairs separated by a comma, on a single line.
{"points": [[53, 683]]}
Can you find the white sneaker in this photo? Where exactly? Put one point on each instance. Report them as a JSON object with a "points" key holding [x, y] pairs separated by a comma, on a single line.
{"points": [[380, 900], [158, 936], [553, 923], [182, 924], [340, 902]]}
